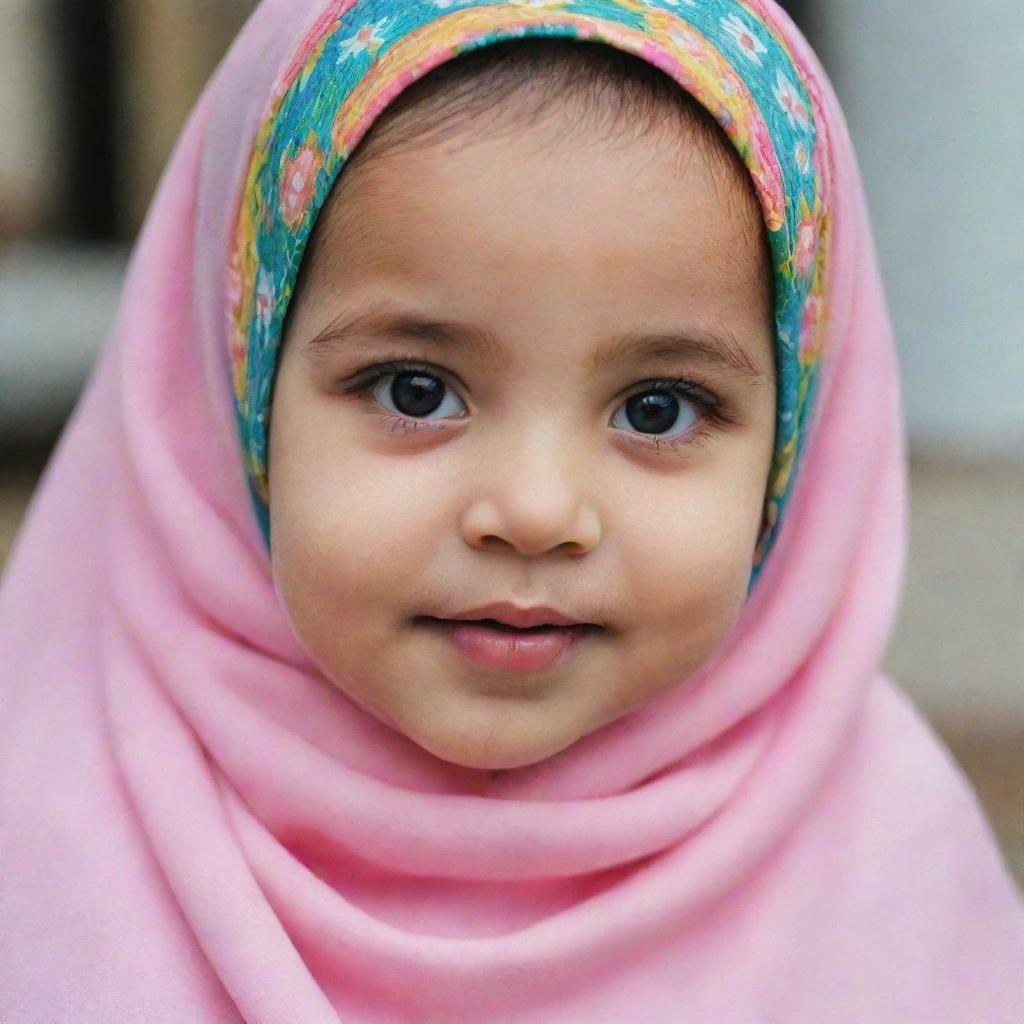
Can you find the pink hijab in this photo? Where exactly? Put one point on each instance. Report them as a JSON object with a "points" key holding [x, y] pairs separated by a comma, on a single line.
{"points": [[196, 827]]}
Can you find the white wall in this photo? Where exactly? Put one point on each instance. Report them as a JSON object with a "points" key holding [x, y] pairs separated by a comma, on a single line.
{"points": [[934, 95]]}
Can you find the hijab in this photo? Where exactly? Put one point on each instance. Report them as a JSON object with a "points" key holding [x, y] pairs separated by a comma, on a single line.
{"points": [[197, 826]]}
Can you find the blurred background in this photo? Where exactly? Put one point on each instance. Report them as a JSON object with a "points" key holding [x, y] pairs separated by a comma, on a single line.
{"points": [[94, 94]]}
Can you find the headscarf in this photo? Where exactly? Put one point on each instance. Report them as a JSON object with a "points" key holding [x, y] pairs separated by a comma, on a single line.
{"points": [[346, 71], [196, 826]]}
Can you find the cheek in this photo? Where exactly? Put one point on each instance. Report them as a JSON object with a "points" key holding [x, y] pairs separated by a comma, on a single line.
{"points": [[339, 581], [701, 574], [341, 544], [688, 566], [326, 512]]}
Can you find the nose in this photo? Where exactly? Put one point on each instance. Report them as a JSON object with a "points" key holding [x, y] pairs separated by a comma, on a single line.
{"points": [[530, 498]]}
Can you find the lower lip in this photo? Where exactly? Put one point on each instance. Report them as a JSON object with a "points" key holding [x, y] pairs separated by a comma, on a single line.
{"points": [[513, 652]]}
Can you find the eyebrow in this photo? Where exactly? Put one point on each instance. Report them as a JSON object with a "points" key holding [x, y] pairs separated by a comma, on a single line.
{"points": [[720, 347]]}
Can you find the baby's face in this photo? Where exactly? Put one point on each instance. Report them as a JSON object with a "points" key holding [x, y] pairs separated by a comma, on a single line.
{"points": [[528, 447]]}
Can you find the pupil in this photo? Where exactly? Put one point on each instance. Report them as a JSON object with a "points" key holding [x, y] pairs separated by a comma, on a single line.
{"points": [[653, 412], [416, 394]]}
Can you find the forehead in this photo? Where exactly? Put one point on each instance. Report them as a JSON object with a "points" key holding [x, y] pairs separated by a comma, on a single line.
{"points": [[650, 219]]}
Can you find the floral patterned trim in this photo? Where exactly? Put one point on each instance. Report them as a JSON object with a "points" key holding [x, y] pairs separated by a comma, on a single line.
{"points": [[358, 56]]}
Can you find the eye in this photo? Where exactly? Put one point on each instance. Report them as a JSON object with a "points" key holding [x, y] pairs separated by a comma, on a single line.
{"points": [[670, 407], [414, 393]]}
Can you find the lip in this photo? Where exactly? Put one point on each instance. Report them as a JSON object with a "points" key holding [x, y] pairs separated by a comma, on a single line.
{"points": [[521, 618], [507, 651]]}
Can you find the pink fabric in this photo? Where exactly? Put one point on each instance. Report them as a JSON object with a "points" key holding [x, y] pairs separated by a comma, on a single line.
{"points": [[196, 827]]}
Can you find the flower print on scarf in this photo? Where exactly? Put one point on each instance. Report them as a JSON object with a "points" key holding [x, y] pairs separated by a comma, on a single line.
{"points": [[728, 86], [803, 157], [806, 242], [810, 332], [541, 4], [782, 468], [310, 66], [237, 340], [369, 37], [641, 7], [790, 101], [298, 180], [264, 299], [749, 44], [666, 61], [689, 42], [234, 286]]}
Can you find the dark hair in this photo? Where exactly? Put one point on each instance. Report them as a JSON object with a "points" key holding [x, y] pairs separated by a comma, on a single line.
{"points": [[614, 92]]}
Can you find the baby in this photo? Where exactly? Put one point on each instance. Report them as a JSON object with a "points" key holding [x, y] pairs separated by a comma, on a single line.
{"points": [[433, 611], [524, 415]]}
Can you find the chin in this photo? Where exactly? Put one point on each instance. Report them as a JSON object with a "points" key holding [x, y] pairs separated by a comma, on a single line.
{"points": [[491, 752]]}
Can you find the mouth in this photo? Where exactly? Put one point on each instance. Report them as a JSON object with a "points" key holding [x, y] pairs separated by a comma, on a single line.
{"points": [[580, 628], [497, 645], [495, 624]]}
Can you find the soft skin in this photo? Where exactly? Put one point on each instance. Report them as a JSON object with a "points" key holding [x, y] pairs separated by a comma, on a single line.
{"points": [[529, 484]]}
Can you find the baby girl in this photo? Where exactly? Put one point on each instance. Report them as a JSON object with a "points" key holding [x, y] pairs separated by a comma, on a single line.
{"points": [[460, 593]]}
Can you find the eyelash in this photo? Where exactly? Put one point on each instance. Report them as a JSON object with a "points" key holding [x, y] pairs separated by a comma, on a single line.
{"points": [[713, 411]]}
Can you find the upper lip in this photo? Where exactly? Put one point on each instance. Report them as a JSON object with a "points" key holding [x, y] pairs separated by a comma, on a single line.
{"points": [[522, 618]]}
